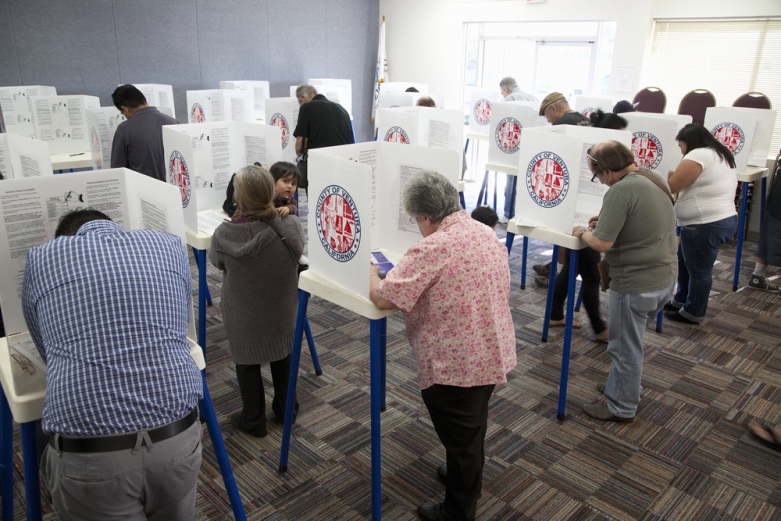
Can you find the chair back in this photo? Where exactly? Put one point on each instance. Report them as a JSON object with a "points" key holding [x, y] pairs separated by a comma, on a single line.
{"points": [[753, 100], [650, 99], [695, 103]]}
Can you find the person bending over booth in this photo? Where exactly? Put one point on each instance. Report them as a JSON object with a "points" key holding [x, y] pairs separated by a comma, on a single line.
{"points": [[453, 288], [108, 310]]}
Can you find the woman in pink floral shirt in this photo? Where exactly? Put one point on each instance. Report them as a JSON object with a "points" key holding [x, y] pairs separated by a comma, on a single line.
{"points": [[453, 287]]}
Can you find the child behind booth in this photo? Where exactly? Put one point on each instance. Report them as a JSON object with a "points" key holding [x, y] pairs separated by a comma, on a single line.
{"points": [[286, 176], [485, 215]]}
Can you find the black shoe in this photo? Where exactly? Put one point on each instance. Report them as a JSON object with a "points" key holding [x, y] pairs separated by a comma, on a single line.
{"points": [[237, 420], [279, 415], [442, 473], [542, 281], [677, 317], [671, 307], [542, 269], [430, 512]]}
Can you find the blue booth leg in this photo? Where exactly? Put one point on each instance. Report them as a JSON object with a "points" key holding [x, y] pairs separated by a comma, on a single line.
{"points": [[741, 226], [32, 483], [483, 194], [312, 350], [383, 357], [376, 363], [549, 302], [207, 409], [523, 262], [659, 321], [295, 360], [573, 274], [461, 198], [200, 260], [495, 188], [508, 242], [6, 459]]}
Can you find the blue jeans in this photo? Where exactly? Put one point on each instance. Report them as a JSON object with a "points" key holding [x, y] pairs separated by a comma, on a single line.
{"points": [[509, 198], [629, 316], [700, 244]]}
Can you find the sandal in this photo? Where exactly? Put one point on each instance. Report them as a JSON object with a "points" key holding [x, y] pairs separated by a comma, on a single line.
{"points": [[770, 436], [562, 323]]}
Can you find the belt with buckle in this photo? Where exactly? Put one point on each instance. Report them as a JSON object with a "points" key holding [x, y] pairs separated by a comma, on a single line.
{"points": [[122, 441]]}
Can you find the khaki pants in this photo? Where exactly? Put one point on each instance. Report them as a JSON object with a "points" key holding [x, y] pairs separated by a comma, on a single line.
{"points": [[156, 482]]}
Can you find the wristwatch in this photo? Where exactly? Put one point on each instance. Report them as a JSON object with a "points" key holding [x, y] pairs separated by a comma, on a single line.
{"points": [[584, 230]]}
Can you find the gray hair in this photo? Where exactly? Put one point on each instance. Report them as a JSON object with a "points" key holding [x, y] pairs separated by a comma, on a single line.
{"points": [[306, 90], [430, 194], [508, 83]]}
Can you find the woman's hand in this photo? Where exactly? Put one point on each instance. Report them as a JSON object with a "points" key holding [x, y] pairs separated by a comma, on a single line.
{"points": [[374, 270], [283, 211]]}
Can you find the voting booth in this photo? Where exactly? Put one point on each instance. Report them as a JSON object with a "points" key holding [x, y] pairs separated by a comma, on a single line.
{"points": [[356, 205], [422, 126], [257, 91], [509, 118], [393, 100], [102, 123], [554, 181], [16, 107], [588, 104], [201, 158], [480, 107], [653, 141], [158, 95], [209, 106], [61, 121], [339, 91], [746, 132], [283, 113], [23, 157]]}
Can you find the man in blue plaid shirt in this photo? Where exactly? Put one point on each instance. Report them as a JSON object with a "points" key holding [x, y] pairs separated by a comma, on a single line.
{"points": [[109, 310]]}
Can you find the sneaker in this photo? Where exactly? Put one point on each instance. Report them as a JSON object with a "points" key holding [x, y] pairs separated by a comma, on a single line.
{"points": [[759, 282], [600, 411], [601, 387], [542, 269], [677, 317], [503, 219], [542, 281]]}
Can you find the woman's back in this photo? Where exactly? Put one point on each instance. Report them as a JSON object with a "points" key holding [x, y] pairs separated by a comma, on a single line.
{"points": [[711, 196]]}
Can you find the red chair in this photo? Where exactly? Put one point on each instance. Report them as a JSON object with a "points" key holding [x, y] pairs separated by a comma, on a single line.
{"points": [[650, 99], [695, 103], [753, 100]]}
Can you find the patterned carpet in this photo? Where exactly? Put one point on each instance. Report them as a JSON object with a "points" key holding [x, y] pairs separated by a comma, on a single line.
{"points": [[687, 455]]}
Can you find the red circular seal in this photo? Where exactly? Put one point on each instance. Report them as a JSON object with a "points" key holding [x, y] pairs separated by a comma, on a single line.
{"points": [[647, 149], [278, 120], [338, 224], [396, 135], [179, 176], [482, 111], [196, 113], [730, 135], [508, 135], [547, 179]]}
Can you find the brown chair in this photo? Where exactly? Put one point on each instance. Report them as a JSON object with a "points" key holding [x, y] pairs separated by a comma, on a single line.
{"points": [[650, 99], [753, 100], [695, 103]]}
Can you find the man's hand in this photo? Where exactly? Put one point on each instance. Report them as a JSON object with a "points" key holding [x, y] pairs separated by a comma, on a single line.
{"points": [[592, 223], [576, 231], [283, 211]]}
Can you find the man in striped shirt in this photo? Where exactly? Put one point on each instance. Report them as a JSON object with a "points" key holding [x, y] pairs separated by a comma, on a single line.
{"points": [[109, 310]]}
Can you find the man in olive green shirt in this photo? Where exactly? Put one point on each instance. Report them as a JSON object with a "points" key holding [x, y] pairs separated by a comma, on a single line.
{"points": [[636, 230]]}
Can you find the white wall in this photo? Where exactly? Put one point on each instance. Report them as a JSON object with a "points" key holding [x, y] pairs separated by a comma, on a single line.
{"points": [[425, 38]]}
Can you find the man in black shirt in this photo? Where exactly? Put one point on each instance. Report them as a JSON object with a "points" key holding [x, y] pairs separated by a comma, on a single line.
{"points": [[321, 123], [556, 110]]}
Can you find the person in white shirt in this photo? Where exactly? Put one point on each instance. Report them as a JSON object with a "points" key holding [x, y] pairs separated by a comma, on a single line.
{"points": [[705, 182]]}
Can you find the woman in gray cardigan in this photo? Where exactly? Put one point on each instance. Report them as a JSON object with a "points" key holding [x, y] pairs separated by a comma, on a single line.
{"points": [[259, 294]]}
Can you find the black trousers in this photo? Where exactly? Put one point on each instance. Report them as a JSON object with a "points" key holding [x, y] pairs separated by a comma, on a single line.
{"points": [[589, 274], [303, 180], [253, 397], [460, 417]]}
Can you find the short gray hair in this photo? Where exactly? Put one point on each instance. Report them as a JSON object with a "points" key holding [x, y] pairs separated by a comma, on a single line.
{"points": [[430, 194], [508, 83], [306, 90]]}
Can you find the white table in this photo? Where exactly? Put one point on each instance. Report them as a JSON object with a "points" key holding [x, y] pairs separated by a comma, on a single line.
{"points": [[71, 161], [312, 284], [750, 175], [25, 407]]}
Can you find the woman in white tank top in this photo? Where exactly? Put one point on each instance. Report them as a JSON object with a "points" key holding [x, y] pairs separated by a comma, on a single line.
{"points": [[705, 182]]}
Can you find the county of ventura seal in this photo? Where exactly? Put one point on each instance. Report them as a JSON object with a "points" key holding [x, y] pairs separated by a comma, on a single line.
{"points": [[508, 135], [179, 176], [647, 149], [196, 113], [730, 135], [97, 154], [482, 111], [588, 110], [278, 120], [547, 179], [396, 135], [338, 223]]}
